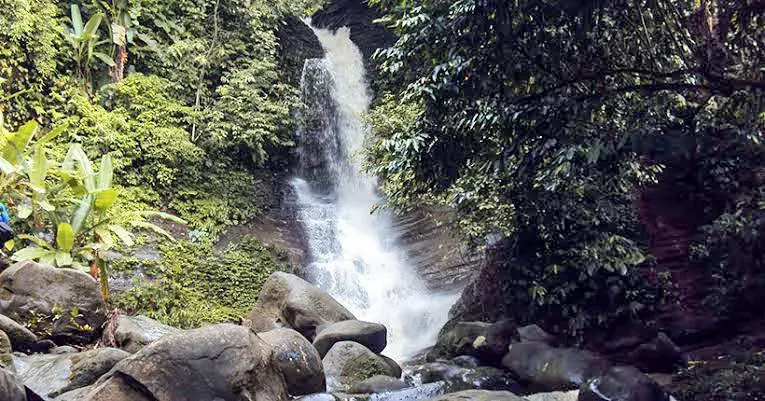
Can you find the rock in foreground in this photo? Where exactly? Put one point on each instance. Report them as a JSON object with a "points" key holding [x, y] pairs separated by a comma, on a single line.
{"points": [[348, 363], [135, 332], [63, 302], [289, 301], [479, 395], [10, 387], [297, 360], [224, 362], [371, 335], [552, 369]]}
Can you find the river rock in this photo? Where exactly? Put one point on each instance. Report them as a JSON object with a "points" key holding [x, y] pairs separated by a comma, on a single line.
{"points": [[378, 384], [371, 335], [135, 332], [622, 383], [224, 361], [91, 366], [553, 369], [21, 338], [51, 375], [64, 349], [395, 368], [289, 301], [457, 378], [484, 341], [297, 360], [75, 395], [348, 363], [554, 396], [66, 303], [11, 388], [659, 355], [479, 395], [534, 333]]}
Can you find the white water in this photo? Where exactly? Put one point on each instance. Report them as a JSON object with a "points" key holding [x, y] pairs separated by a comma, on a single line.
{"points": [[353, 251]]}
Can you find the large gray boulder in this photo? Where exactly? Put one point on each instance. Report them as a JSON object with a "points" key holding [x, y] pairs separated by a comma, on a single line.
{"points": [[622, 383], [21, 338], [220, 362], [51, 375], [552, 369], [135, 332], [371, 335], [297, 360], [65, 303], [5, 352], [458, 378], [11, 388], [348, 363], [288, 301], [479, 395]]}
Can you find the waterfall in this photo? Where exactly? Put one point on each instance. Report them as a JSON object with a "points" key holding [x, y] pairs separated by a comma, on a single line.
{"points": [[354, 252]]}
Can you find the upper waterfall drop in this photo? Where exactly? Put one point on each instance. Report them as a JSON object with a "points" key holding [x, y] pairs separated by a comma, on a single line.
{"points": [[354, 252]]}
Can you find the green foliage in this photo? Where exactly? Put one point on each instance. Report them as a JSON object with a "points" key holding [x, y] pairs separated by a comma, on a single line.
{"points": [[84, 38], [193, 284], [31, 33], [540, 123]]}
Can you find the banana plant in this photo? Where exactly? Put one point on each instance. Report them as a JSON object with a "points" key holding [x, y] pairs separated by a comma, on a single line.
{"points": [[71, 200], [84, 38], [122, 23]]}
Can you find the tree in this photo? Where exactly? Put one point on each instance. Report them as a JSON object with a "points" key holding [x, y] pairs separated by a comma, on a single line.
{"points": [[537, 122]]}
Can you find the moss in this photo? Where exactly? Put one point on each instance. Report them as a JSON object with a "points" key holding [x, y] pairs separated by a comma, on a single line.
{"points": [[192, 285], [737, 377]]}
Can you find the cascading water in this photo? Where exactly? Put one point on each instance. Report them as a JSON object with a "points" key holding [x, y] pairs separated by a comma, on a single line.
{"points": [[354, 252]]}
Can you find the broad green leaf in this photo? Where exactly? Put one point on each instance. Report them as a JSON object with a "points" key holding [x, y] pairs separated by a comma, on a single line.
{"points": [[53, 134], [77, 159], [106, 173], [39, 168], [15, 143], [63, 259], [48, 259], [92, 26], [124, 235], [37, 240], [9, 245], [6, 167], [106, 198], [77, 24], [65, 237], [163, 215], [30, 253], [82, 213], [155, 228], [45, 205], [104, 58]]}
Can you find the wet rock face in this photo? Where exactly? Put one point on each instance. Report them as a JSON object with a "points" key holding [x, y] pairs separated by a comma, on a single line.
{"points": [[289, 301], [551, 369], [371, 335], [297, 43], [459, 378], [486, 342], [297, 360], [622, 383], [64, 302], [21, 338], [224, 362], [378, 384], [359, 17], [479, 395], [52, 375]]}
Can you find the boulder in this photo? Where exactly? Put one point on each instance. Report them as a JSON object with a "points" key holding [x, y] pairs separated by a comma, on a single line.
{"points": [[21, 338], [534, 333], [224, 361], [378, 384], [75, 395], [64, 349], [553, 369], [622, 383], [395, 368], [660, 355], [297, 360], [484, 341], [11, 388], [348, 363], [135, 332], [457, 378], [289, 301], [51, 375], [371, 335], [90, 367], [479, 395], [554, 396], [66, 303]]}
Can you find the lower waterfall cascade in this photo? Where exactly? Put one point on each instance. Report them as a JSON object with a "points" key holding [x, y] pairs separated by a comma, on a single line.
{"points": [[354, 254]]}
